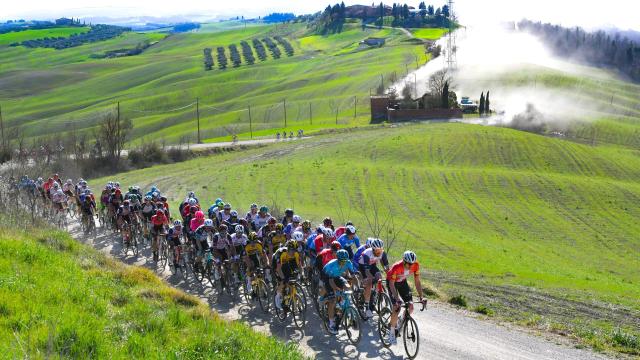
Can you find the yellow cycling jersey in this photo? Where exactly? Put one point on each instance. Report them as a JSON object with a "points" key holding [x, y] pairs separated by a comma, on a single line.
{"points": [[278, 239], [253, 249], [285, 258]]}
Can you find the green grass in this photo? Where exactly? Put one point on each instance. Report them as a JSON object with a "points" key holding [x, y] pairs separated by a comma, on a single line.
{"points": [[65, 300], [20, 36], [429, 34], [67, 87]]}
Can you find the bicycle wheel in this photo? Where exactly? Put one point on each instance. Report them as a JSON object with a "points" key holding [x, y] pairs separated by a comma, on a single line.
{"points": [[197, 270], [134, 245], [229, 284], [358, 301], [262, 290], [246, 292], [411, 337], [281, 314], [351, 324], [384, 324], [324, 316], [163, 252], [299, 311], [301, 292], [383, 301]]}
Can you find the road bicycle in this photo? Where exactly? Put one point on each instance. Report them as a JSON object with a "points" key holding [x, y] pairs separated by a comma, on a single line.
{"points": [[346, 316], [407, 328], [292, 302]]}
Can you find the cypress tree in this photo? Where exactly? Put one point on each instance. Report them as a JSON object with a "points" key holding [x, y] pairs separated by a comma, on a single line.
{"points": [[445, 95], [487, 103], [481, 108]]}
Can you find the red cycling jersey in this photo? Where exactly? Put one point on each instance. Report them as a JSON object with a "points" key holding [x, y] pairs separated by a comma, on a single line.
{"points": [[398, 272], [158, 220], [326, 255]]}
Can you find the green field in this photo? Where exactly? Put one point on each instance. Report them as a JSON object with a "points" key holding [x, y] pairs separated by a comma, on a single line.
{"points": [[429, 34], [60, 299], [488, 206], [50, 91], [20, 36]]}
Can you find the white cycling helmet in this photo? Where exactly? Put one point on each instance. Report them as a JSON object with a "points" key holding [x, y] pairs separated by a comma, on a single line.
{"points": [[239, 229], [297, 236], [377, 244], [328, 232], [350, 230], [192, 202], [177, 223], [409, 256], [69, 181], [233, 213], [208, 222], [297, 218]]}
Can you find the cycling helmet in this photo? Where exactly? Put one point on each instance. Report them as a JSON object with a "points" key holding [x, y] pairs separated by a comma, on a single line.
{"points": [[193, 209], [288, 212], [163, 198], [377, 244], [117, 184], [219, 201], [126, 202], [327, 232], [69, 181], [160, 205], [199, 215], [279, 226], [292, 245], [297, 236], [348, 223], [342, 255], [222, 228], [148, 197], [130, 188], [39, 179], [239, 229], [192, 201], [253, 235], [155, 194], [264, 209], [227, 206], [254, 206], [272, 220], [81, 179], [335, 246], [327, 221], [158, 212], [350, 230], [177, 223], [297, 218], [208, 223], [220, 205], [234, 213], [306, 224], [409, 256], [82, 182], [56, 185], [191, 195]]}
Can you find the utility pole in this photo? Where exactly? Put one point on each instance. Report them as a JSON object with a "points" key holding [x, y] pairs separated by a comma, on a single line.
{"points": [[118, 132], [284, 104], [250, 124], [2, 127], [381, 81], [198, 118]]}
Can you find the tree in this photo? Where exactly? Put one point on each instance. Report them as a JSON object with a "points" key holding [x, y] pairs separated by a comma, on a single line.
{"points": [[445, 11], [208, 59], [423, 10], [481, 107], [430, 10], [437, 83], [487, 105], [381, 9], [113, 132], [445, 95]]}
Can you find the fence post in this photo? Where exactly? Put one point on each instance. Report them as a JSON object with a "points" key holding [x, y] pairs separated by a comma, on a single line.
{"points": [[198, 118]]}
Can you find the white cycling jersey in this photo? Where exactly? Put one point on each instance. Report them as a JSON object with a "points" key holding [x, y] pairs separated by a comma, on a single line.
{"points": [[239, 240]]}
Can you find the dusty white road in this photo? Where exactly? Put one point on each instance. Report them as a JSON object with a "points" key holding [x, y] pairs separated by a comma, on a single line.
{"points": [[445, 333]]}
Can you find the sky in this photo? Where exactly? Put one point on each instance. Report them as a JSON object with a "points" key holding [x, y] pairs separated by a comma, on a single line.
{"points": [[588, 14]]}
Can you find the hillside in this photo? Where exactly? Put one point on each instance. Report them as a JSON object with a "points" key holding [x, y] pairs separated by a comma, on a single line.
{"points": [[515, 221], [62, 299], [48, 91]]}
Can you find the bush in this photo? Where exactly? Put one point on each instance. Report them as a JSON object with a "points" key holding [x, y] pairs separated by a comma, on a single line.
{"points": [[260, 50], [235, 55], [483, 309], [222, 58], [247, 53], [619, 337], [148, 154], [273, 48], [458, 300]]}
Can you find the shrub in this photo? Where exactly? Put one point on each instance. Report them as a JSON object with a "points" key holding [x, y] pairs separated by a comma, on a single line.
{"points": [[483, 309], [458, 300], [247, 53], [235, 55], [273, 48], [260, 50]]}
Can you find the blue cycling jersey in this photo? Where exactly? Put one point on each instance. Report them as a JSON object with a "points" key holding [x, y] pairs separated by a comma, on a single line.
{"points": [[358, 253], [334, 270], [310, 240], [345, 242]]}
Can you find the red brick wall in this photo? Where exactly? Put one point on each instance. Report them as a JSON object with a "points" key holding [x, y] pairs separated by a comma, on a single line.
{"points": [[379, 108], [423, 114]]}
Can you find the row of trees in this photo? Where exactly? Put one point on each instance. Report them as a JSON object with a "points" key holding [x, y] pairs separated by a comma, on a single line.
{"points": [[123, 52], [186, 27], [247, 52], [403, 16], [97, 33], [288, 49], [279, 17], [332, 19], [598, 48], [485, 105], [208, 59], [222, 58], [235, 55], [273, 48]]}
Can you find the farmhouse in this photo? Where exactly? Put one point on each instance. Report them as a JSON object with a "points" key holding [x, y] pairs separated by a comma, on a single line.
{"points": [[379, 42], [385, 108]]}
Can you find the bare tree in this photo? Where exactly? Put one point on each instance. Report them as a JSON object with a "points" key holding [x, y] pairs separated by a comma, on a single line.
{"points": [[381, 222], [438, 81], [113, 133]]}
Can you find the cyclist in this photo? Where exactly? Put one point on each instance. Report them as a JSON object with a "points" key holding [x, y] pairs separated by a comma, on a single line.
{"points": [[276, 238], [124, 218], [224, 215], [252, 214], [222, 246], [165, 205], [399, 289], [263, 234], [369, 271], [158, 221], [212, 212], [341, 230], [361, 249], [306, 229], [88, 208], [254, 257], [289, 261], [185, 207], [324, 240], [197, 221], [68, 188], [173, 239], [328, 254], [349, 238], [288, 217], [293, 226], [262, 219], [148, 209], [238, 240], [328, 223], [333, 281], [232, 221], [58, 197], [201, 238]]}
